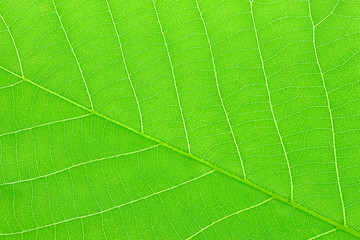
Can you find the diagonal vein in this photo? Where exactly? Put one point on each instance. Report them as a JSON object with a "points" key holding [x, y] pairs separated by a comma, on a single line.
{"points": [[323, 234], [11, 85], [327, 16], [330, 114], [218, 90], [44, 124], [230, 215], [78, 165], [72, 50], [215, 167], [270, 102], [112, 208]]}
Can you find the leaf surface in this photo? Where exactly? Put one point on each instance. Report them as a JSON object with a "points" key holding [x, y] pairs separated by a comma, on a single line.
{"points": [[186, 119]]}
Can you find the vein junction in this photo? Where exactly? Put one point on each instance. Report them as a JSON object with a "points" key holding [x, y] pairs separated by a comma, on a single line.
{"points": [[214, 167]]}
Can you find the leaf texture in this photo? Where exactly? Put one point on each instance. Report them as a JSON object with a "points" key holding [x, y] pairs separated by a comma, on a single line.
{"points": [[186, 119]]}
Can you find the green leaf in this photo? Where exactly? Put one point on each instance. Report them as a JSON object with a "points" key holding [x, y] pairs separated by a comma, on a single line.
{"points": [[186, 119]]}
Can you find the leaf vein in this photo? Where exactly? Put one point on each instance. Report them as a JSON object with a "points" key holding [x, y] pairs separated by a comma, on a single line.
{"points": [[78, 165], [126, 68], [13, 41], [173, 75], [219, 92], [72, 50], [216, 168], [330, 114], [270, 102], [45, 124], [109, 209], [230, 215]]}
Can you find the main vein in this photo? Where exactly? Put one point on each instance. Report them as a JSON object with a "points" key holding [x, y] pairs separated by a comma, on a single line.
{"points": [[215, 167]]}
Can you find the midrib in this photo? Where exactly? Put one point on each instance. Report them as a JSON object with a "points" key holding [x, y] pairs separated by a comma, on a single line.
{"points": [[229, 174]]}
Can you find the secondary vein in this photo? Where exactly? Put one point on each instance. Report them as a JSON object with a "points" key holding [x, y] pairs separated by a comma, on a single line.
{"points": [[125, 65], [72, 50], [330, 114], [270, 103], [230, 215], [173, 75], [215, 167], [219, 92], [13, 41], [111, 208]]}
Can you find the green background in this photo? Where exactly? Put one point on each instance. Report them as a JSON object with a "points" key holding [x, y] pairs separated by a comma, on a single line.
{"points": [[186, 119]]}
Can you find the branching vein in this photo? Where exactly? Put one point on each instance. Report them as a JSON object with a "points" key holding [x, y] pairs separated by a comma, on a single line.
{"points": [[330, 114], [331, 12], [110, 209], [78, 165], [126, 68], [11, 85], [173, 75], [13, 41], [219, 92], [230, 215], [271, 105], [323, 234], [195, 158], [45, 124], [72, 50]]}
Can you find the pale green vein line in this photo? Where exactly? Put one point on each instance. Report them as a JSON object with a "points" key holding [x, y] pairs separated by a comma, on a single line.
{"points": [[218, 90], [270, 102], [230, 215], [331, 117], [332, 11], [126, 68], [45, 124], [11, 72], [110, 209], [216, 168], [72, 50], [173, 75], [78, 165], [322, 234], [13, 41], [14, 84]]}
